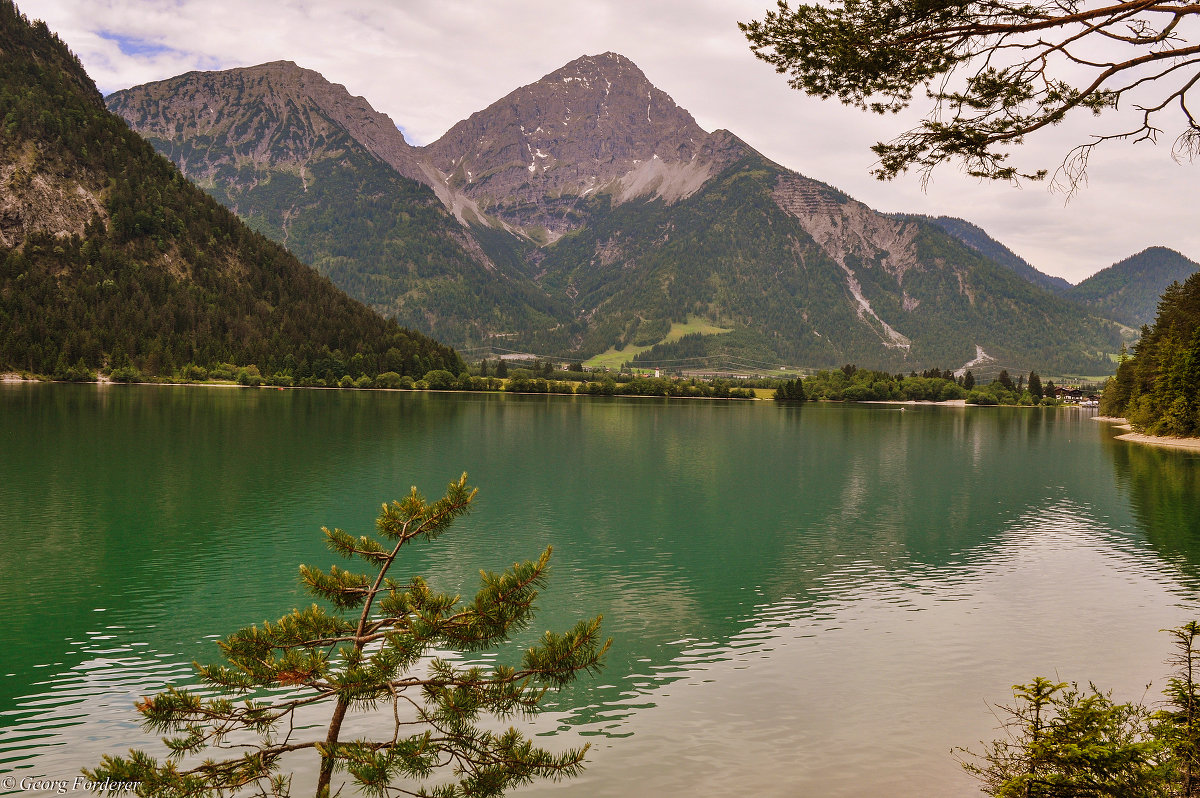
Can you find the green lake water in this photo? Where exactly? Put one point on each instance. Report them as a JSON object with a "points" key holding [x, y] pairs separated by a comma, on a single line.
{"points": [[804, 601]]}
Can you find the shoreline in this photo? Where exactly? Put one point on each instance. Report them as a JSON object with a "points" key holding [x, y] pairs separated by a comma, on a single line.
{"points": [[16, 379], [1166, 442], [926, 403]]}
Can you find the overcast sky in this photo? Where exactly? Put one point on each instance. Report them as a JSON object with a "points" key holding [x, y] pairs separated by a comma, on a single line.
{"points": [[429, 63]]}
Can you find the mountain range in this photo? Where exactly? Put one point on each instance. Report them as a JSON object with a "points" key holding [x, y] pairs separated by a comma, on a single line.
{"points": [[588, 213], [585, 214]]}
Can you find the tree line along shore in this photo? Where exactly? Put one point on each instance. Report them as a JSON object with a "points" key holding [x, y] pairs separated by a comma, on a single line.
{"points": [[847, 384]]}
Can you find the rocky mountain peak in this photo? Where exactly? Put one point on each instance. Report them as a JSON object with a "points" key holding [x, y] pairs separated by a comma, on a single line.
{"points": [[276, 114], [596, 124], [605, 72], [604, 99]]}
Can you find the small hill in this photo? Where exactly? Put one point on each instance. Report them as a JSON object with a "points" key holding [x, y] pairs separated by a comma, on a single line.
{"points": [[110, 257], [1129, 291]]}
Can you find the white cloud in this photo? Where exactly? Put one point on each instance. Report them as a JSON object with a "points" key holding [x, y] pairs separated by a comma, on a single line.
{"points": [[430, 63]]}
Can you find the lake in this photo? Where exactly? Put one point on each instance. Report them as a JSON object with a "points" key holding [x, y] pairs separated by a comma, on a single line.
{"points": [[816, 600]]}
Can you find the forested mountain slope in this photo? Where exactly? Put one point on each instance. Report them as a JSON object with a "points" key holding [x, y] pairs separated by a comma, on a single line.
{"points": [[1158, 389], [806, 273], [977, 239], [1129, 291], [110, 257]]}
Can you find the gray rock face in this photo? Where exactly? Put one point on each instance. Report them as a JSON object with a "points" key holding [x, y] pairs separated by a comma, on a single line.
{"points": [[275, 115], [34, 202], [595, 125]]}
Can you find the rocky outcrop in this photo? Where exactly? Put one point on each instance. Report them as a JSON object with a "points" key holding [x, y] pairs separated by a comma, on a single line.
{"points": [[32, 201], [844, 227], [850, 231]]}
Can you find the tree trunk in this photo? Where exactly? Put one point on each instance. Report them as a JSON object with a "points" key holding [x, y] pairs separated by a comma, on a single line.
{"points": [[331, 740]]}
